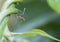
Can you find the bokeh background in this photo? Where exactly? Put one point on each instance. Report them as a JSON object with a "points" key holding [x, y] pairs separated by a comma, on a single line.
{"points": [[38, 15]]}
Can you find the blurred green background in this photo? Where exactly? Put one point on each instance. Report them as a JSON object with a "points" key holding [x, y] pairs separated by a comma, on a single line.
{"points": [[38, 15]]}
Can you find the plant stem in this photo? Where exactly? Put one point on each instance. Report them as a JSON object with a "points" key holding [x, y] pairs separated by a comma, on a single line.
{"points": [[2, 26], [8, 8], [2, 15]]}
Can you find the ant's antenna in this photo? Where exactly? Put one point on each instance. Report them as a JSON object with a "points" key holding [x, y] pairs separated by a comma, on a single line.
{"points": [[23, 11]]}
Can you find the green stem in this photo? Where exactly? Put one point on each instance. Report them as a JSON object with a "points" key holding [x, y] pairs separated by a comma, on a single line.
{"points": [[8, 8], [9, 2], [2, 15], [6, 12], [2, 26]]}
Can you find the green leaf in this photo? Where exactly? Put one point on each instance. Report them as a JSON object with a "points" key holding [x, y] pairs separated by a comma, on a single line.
{"points": [[14, 1], [36, 32], [23, 40], [17, 1], [12, 9], [54, 4], [10, 2], [29, 34]]}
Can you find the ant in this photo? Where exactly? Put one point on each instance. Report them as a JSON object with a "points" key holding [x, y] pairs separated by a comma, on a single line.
{"points": [[21, 15]]}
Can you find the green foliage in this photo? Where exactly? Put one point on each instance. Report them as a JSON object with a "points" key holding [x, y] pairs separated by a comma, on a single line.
{"points": [[54, 4], [10, 8], [23, 40], [36, 32], [7, 9]]}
